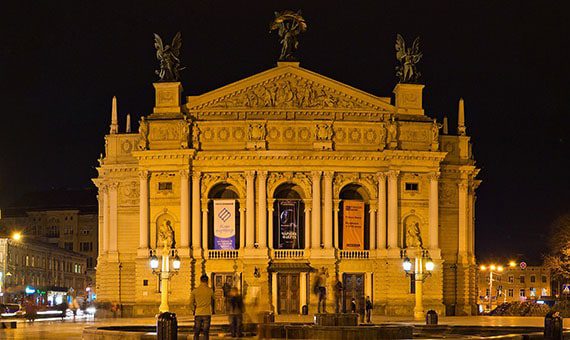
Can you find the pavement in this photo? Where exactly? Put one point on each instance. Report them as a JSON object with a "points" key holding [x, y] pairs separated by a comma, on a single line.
{"points": [[72, 329]]}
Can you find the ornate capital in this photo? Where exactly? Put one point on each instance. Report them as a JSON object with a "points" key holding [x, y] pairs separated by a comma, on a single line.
{"points": [[250, 175], [463, 185], [329, 175], [113, 186], [144, 175], [393, 174], [316, 174], [433, 176], [184, 174], [380, 176], [104, 188], [262, 175], [196, 175]]}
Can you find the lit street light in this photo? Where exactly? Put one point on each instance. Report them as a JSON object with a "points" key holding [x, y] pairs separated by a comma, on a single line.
{"points": [[493, 270], [169, 268], [421, 271]]}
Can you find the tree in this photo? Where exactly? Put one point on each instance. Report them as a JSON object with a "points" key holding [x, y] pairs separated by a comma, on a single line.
{"points": [[558, 261]]}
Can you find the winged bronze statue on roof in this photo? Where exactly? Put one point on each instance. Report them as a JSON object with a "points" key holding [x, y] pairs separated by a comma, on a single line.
{"points": [[169, 57], [408, 58], [289, 25]]}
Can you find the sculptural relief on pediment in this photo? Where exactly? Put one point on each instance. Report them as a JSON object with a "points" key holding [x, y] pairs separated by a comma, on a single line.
{"points": [[288, 91]]}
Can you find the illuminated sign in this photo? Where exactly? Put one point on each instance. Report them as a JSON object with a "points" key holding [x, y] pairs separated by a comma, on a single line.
{"points": [[30, 290]]}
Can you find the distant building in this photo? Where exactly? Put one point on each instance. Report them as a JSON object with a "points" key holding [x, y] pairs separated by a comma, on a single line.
{"points": [[30, 267], [515, 284], [63, 218]]}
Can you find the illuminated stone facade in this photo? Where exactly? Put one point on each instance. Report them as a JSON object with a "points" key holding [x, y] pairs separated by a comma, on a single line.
{"points": [[288, 133]]}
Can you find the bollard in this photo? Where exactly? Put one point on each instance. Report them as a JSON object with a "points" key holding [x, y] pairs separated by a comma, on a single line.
{"points": [[167, 326], [553, 326], [431, 317]]}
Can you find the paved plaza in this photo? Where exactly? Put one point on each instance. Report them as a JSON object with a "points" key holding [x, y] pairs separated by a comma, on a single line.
{"points": [[72, 329]]}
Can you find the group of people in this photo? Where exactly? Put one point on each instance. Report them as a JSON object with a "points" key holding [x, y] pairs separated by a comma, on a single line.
{"points": [[201, 302], [367, 309]]}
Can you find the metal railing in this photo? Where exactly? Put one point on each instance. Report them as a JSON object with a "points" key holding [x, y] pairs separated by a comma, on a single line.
{"points": [[222, 254]]}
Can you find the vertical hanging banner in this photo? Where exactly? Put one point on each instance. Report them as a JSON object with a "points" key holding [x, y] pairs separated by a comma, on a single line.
{"points": [[224, 224], [288, 214], [353, 225]]}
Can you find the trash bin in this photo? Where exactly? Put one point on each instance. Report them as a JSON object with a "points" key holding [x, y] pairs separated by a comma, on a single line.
{"points": [[431, 317], [167, 326], [553, 326], [305, 310]]}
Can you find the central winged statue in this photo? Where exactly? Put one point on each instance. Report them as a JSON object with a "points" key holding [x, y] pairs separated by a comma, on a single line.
{"points": [[169, 57], [408, 58], [289, 25]]}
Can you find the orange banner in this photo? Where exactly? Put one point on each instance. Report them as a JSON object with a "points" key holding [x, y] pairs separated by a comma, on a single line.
{"points": [[353, 225]]}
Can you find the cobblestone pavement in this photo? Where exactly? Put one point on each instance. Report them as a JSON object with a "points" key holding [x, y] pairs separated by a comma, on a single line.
{"points": [[72, 329]]}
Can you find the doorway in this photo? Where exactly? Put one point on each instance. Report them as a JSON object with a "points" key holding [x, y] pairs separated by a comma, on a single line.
{"points": [[222, 283], [288, 293], [353, 289]]}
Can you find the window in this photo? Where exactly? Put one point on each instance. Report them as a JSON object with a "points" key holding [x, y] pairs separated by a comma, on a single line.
{"points": [[86, 246], [68, 231], [84, 231], [511, 279], [532, 279], [543, 278], [521, 292], [521, 279], [412, 283], [412, 186], [53, 231], [145, 283], [68, 246], [511, 292], [165, 186], [532, 291], [90, 262]]}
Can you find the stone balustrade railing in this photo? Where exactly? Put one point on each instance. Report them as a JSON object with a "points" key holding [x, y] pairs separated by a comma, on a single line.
{"points": [[222, 254], [288, 253], [354, 254]]}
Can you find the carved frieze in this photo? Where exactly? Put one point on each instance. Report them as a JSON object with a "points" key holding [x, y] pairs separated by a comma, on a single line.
{"points": [[367, 180], [129, 193], [288, 91], [164, 132], [209, 180], [277, 178]]}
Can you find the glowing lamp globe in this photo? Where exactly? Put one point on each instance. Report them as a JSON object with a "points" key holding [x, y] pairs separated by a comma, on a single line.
{"points": [[407, 264], [154, 262]]}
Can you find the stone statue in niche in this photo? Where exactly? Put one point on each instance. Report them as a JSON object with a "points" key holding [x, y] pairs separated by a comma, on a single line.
{"points": [[143, 132], [413, 235], [184, 134], [392, 133], [166, 234]]}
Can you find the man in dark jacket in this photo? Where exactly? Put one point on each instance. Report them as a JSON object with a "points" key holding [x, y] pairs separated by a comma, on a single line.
{"points": [[235, 312], [201, 301]]}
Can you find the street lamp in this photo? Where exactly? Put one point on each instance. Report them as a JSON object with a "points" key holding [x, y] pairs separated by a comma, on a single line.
{"points": [[493, 269], [422, 269], [170, 267]]}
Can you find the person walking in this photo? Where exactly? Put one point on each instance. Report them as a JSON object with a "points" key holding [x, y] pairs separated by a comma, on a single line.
{"points": [[201, 301], [368, 309], [235, 312], [353, 305]]}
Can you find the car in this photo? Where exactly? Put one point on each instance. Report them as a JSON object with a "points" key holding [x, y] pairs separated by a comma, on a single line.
{"points": [[8, 310]]}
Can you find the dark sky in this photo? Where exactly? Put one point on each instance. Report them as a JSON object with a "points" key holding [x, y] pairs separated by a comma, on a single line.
{"points": [[60, 64]]}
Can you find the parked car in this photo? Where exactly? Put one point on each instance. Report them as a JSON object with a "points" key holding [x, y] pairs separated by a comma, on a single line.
{"points": [[8, 310]]}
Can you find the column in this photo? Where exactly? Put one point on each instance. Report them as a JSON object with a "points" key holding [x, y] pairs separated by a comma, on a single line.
{"points": [[327, 225], [270, 223], [196, 227], [274, 293], [393, 208], [472, 199], [336, 209], [307, 224], [143, 209], [262, 209], [462, 247], [302, 290], [105, 245], [381, 225], [242, 224], [113, 204], [250, 209], [184, 209], [433, 210], [372, 237], [205, 224], [368, 285], [316, 211]]}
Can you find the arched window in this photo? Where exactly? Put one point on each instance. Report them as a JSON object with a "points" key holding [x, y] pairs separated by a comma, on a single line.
{"points": [[354, 194], [223, 191], [288, 217]]}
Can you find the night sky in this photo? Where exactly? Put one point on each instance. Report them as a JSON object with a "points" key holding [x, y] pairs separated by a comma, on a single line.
{"points": [[61, 63]]}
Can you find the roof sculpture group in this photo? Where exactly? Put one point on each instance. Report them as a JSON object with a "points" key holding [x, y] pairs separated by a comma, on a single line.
{"points": [[289, 25]]}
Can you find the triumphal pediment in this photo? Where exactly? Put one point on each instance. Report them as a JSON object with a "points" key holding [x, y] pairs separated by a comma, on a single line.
{"points": [[288, 87]]}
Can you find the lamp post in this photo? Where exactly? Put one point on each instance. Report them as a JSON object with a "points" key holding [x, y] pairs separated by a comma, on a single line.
{"points": [[493, 270], [170, 266], [421, 270]]}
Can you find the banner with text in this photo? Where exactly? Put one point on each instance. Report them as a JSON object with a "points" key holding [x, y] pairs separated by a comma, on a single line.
{"points": [[353, 225], [288, 216], [224, 224]]}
